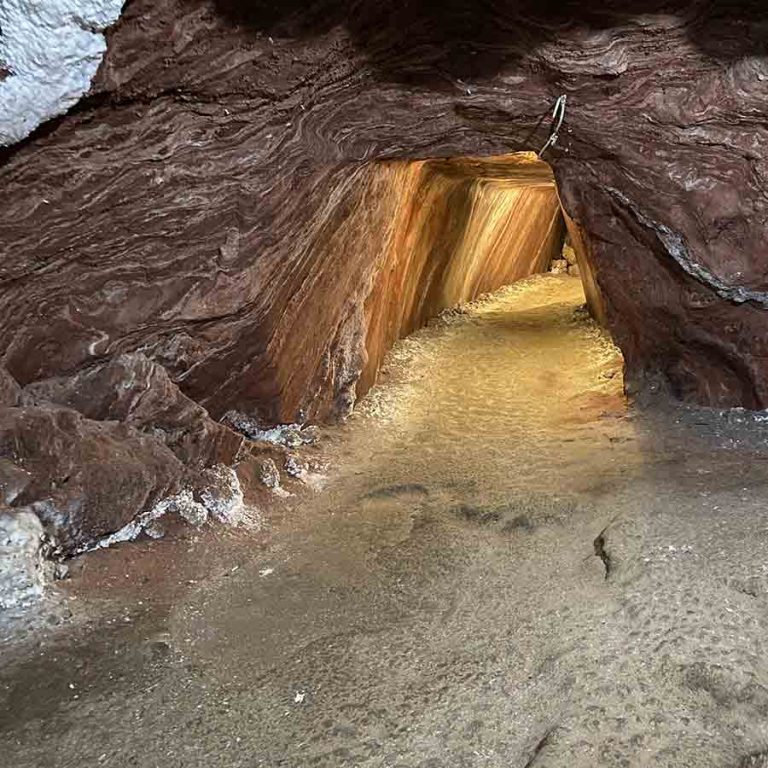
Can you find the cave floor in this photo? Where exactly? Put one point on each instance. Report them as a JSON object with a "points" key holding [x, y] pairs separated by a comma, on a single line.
{"points": [[441, 602]]}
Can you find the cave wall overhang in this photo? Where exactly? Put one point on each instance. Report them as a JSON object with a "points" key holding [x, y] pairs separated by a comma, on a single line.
{"points": [[192, 234], [186, 209]]}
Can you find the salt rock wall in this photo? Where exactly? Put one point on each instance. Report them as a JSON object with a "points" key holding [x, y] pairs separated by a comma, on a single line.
{"points": [[209, 205], [49, 53], [585, 260], [461, 228]]}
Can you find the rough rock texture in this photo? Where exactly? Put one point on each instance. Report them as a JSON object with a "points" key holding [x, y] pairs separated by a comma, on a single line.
{"points": [[138, 392], [49, 53], [214, 493], [91, 452], [86, 478], [23, 572], [9, 388], [195, 205]]}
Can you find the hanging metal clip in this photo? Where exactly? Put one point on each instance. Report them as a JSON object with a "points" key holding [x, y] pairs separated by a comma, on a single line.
{"points": [[558, 115]]}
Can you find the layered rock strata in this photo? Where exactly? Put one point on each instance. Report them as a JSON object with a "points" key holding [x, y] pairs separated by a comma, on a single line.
{"points": [[194, 205], [460, 228], [217, 202]]}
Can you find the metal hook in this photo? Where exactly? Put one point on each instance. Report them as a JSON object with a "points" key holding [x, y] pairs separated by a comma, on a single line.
{"points": [[558, 114]]}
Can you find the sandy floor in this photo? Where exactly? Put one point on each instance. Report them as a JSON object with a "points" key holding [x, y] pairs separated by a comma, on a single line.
{"points": [[443, 601]]}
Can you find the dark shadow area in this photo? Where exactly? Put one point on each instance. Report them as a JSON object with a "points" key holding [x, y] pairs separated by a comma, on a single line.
{"points": [[426, 42]]}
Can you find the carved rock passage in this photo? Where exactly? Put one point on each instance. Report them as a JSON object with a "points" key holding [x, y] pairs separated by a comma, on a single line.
{"points": [[462, 228], [215, 202]]}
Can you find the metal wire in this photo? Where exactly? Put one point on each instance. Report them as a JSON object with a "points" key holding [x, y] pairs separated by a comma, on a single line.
{"points": [[558, 115]]}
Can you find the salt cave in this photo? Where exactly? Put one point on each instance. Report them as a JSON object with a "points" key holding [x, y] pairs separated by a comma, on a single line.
{"points": [[274, 290]]}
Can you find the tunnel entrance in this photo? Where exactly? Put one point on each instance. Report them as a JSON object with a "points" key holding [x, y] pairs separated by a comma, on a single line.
{"points": [[464, 227]]}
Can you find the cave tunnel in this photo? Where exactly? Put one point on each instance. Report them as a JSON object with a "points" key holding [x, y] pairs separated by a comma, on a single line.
{"points": [[310, 451], [465, 227], [416, 237]]}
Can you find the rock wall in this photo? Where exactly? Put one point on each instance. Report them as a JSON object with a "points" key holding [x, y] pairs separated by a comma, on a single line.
{"points": [[585, 261], [461, 228], [210, 205], [186, 207]]}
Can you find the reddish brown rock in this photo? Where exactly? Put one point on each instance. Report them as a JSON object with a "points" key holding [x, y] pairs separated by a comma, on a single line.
{"points": [[85, 479], [217, 202], [134, 390], [9, 389], [92, 451]]}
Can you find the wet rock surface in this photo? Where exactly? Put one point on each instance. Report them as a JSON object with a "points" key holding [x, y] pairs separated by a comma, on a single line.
{"points": [[445, 601]]}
